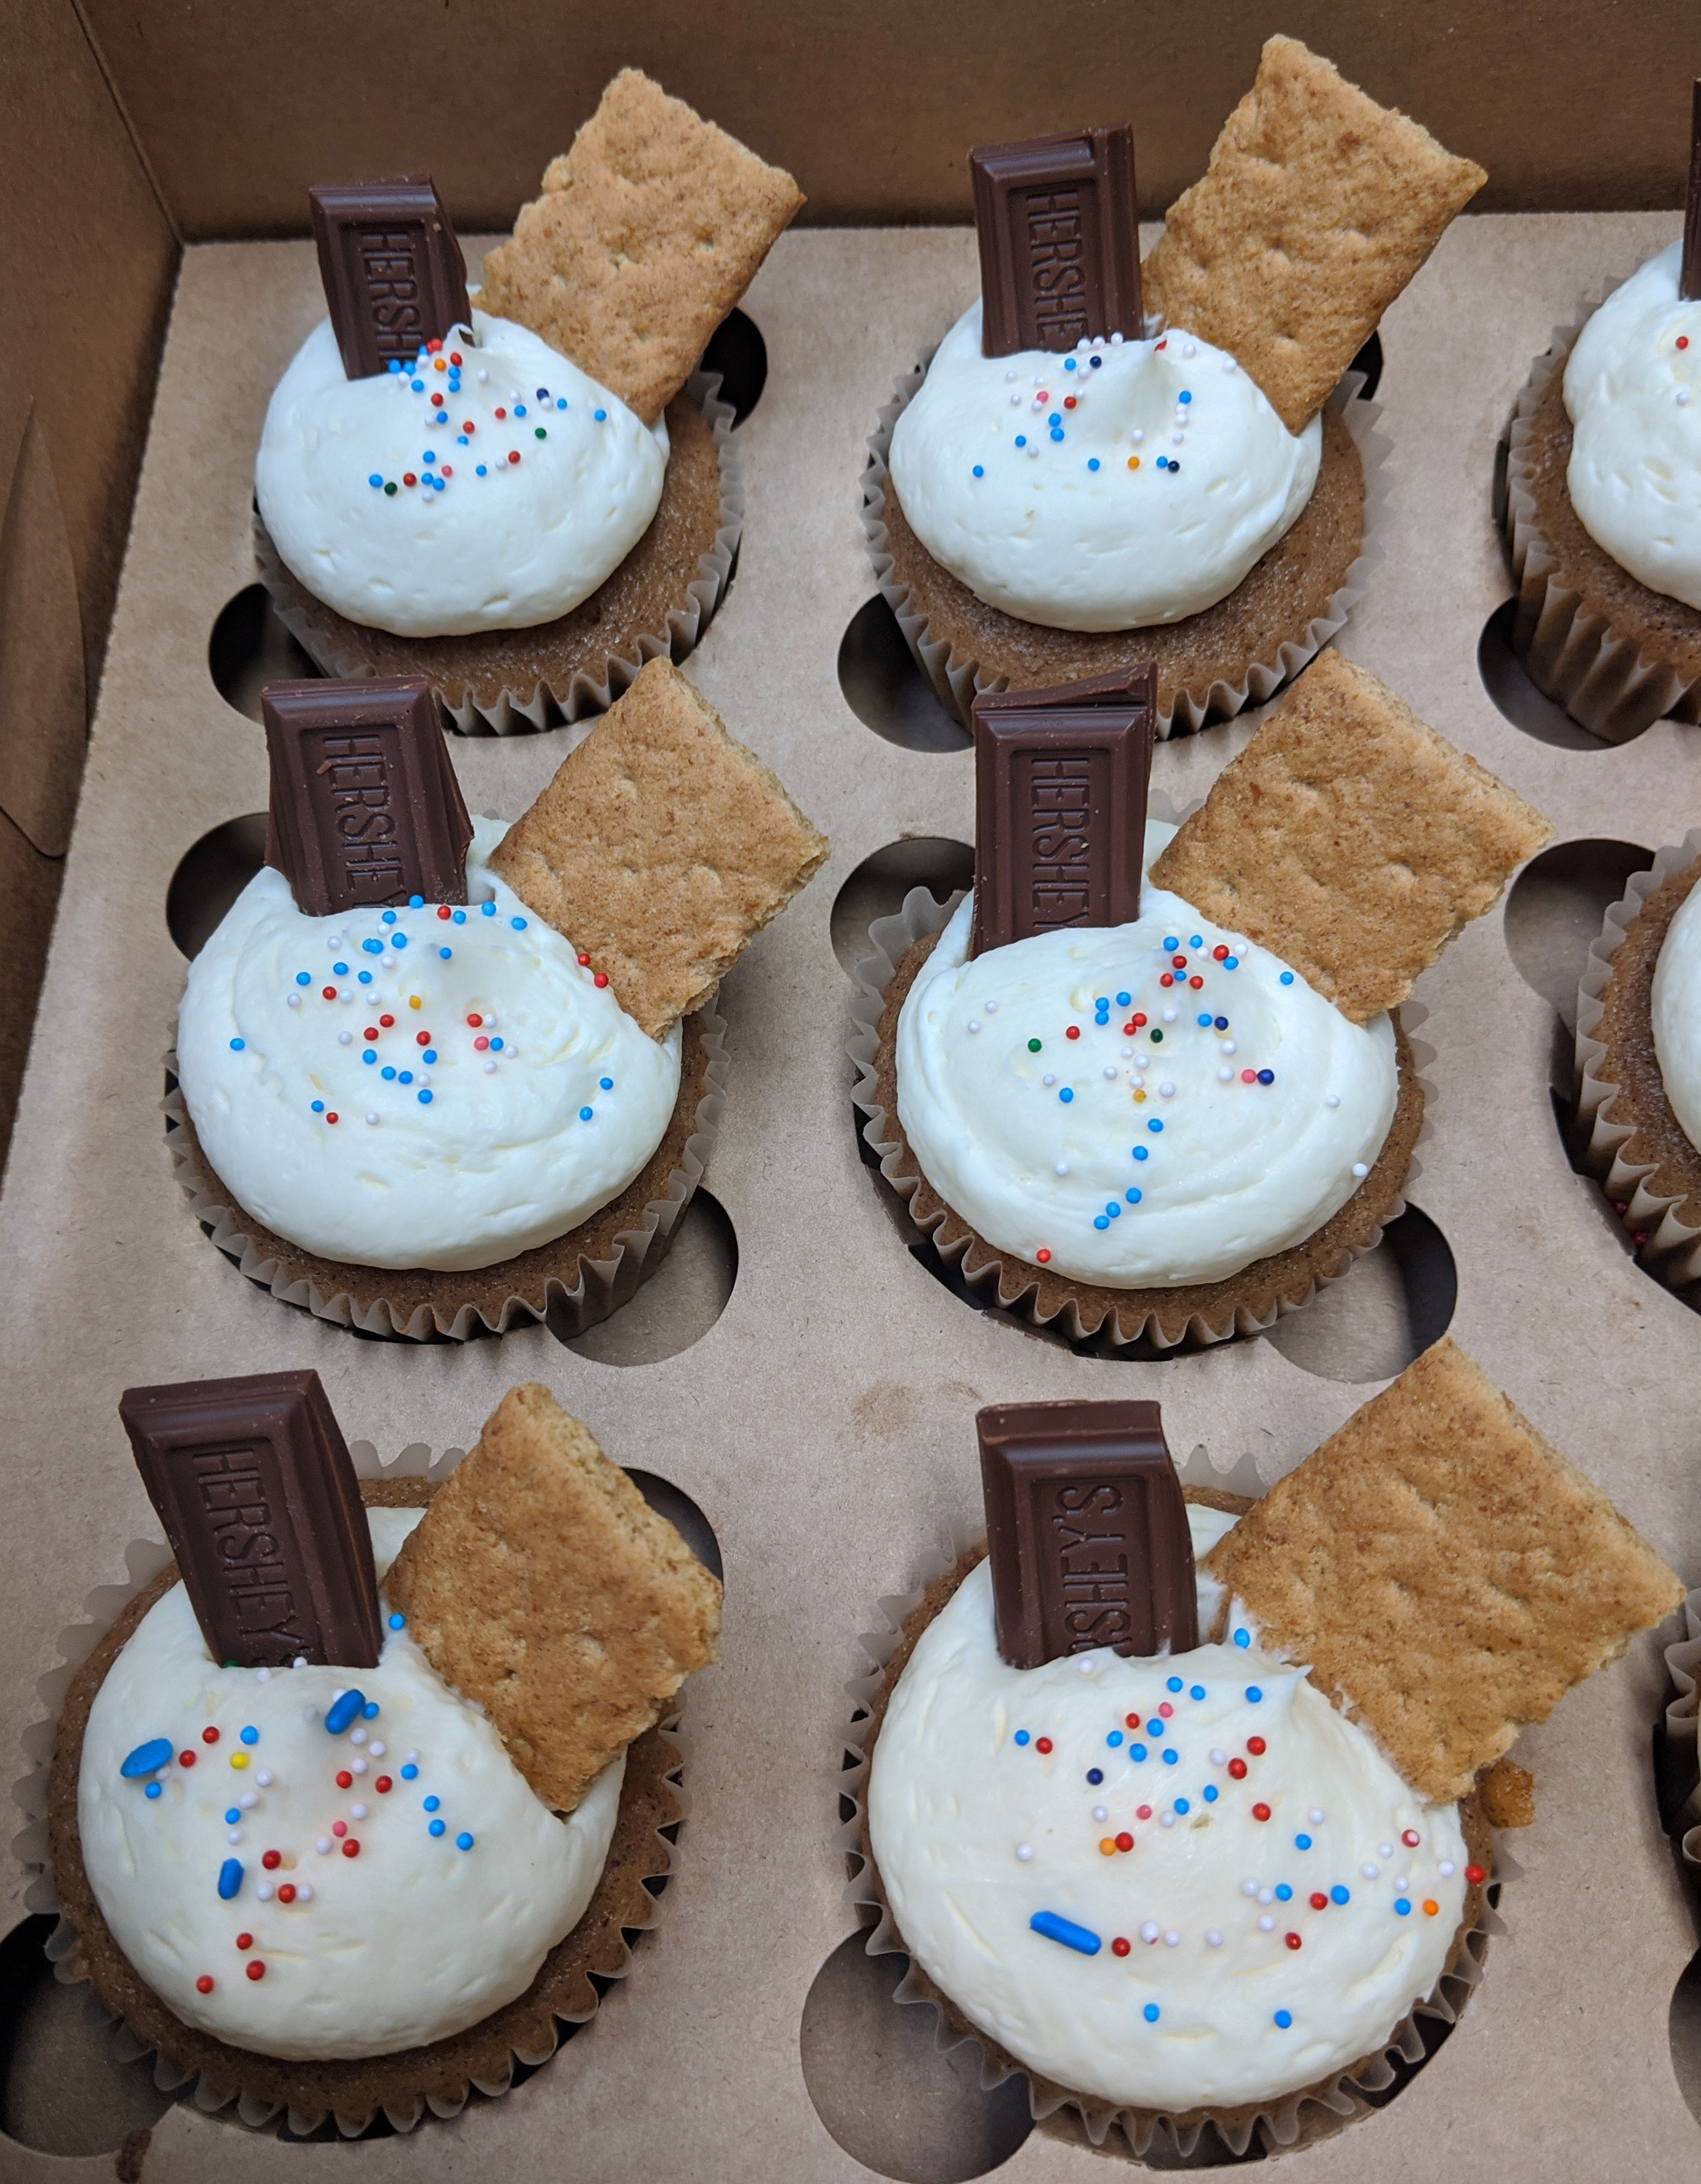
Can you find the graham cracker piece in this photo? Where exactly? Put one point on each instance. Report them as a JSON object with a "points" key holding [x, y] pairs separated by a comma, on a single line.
{"points": [[1350, 840], [541, 1584], [1507, 1793], [660, 849], [647, 234], [1445, 1575], [1317, 208]]}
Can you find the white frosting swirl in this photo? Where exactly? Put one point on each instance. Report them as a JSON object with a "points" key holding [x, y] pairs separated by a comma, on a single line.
{"points": [[1192, 1993], [494, 543], [1132, 482], [1178, 1150], [497, 1136], [409, 1940], [1632, 386], [1675, 1008]]}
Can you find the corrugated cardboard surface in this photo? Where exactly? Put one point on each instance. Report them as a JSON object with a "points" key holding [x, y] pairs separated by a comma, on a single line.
{"points": [[825, 1423]]}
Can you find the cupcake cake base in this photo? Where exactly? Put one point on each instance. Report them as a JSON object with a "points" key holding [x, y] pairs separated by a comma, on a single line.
{"points": [[402, 2086], [659, 601], [573, 1282], [1200, 1312]]}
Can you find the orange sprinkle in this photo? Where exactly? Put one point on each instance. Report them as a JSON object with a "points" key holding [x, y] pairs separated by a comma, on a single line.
{"points": [[1106, 1847], [1429, 1907]]}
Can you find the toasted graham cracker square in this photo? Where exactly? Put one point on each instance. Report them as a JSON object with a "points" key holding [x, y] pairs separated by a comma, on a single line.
{"points": [[1317, 208], [647, 234], [660, 847], [540, 1584], [1446, 1575], [1350, 840]]}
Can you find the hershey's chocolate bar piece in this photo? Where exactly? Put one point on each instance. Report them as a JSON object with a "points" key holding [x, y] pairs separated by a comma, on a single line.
{"points": [[1689, 278], [1059, 240], [252, 1482], [393, 274], [1086, 1529], [1060, 780], [366, 807]]}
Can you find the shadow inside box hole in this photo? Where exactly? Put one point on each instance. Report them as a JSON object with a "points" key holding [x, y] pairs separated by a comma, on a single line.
{"points": [[738, 352], [210, 874], [1555, 910], [1516, 698], [249, 648], [64, 2088], [877, 887], [887, 691], [1683, 2028], [676, 1306]]}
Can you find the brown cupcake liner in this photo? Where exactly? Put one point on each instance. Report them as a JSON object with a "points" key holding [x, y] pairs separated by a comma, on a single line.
{"points": [[509, 683], [1683, 1666], [1628, 1137], [437, 2079], [1301, 2118], [571, 1283], [957, 677], [1572, 650], [1191, 1316]]}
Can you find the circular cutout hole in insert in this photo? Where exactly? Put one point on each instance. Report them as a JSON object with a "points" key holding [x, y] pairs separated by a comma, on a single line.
{"points": [[885, 2092], [673, 1503], [249, 648], [1516, 697], [209, 876], [1384, 1312], [1369, 360], [1555, 908], [738, 352], [676, 1306], [63, 2089], [886, 689], [877, 887]]}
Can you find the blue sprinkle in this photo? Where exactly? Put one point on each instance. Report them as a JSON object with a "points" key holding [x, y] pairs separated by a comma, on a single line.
{"points": [[1150, 2013], [1065, 1095], [606, 1082], [230, 1877], [1069, 364], [1022, 1737], [1181, 1805], [1170, 1756], [236, 1046], [1154, 1730], [1112, 1209], [148, 1758], [232, 1816], [416, 902], [1288, 978], [251, 1736], [1056, 433], [388, 1073], [495, 1046], [1095, 1776], [1211, 1793], [1142, 1152], [1284, 1893], [339, 970], [1242, 1637], [1101, 1220], [432, 1803], [406, 1077], [375, 479], [396, 364], [1156, 1127], [1197, 1691], [369, 1711], [1186, 397], [463, 1841], [1170, 944], [409, 1772], [979, 471], [601, 416], [1302, 1842], [561, 402], [1162, 462], [1284, 2018], [372, 947], [343, 1711], [460, 439], [543, 394], [152, 1791], [1066, 1930], [1123, 1000], [429, 1055], [1136, 1751], [399, 940], [303, 977], [459, 918], [1132, 1197], [1402, 1906], [520, 409], [517, 923], [1254, 1693], [1114, 1739], [319, 1107], [585, 1113], [389, 917], [429, 456], [364, 977], [397, 1622], [1221, 1022], [1339, 1895], [1230, 962], [1054, 419], [1021, 439], [434, 1827], [1172, 1683], [488, 908], [1092, 462], [418, 385], [444, 953], [1095, 361], [425, 1099], [480, 471]]}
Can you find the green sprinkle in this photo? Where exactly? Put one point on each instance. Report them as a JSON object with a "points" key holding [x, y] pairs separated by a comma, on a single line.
{"points": [[1157, 1038], [1033, 1046], [539, 433], [391, 488]]}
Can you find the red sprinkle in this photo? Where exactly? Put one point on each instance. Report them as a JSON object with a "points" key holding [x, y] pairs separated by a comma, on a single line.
{"points": [[209, 1736], [1164, 344], [1248, 1077], [1166, 980], [408, 478], [442, 910], [514, 454], [186, 1760], [1142, 1812], [386, 1021], [1043, 1257], [272, 1860], [601, 978], [455, 358], [434, 345], [329, 991], [287, 1893], [436, 402], [1237, 1768], [1179, 961], [1196, 981], [1119, 1947], [422, 1039], [1256, 1746], [1130, 1721], [383, 1785], [345, 1781], [339, 1827], [475, 1021], [1319, 1902], [350, 1848], [1220, 954], [1137, 1021], [469, 427], [502, 412], [257, 1970], [1069, 401], [203, 1984], [330, 1118], [1292, 1940], [1166, 1710], [1682, 341], [1042, 1744], [1475, 1876], [1125, 1841], [584, 958], [245, 1941], [370, 1032], [479, 1045], [1074, 1032], [1411, 1838], [1260, 1812]]}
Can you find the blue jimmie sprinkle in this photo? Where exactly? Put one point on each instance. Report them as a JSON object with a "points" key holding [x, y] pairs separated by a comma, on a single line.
{"points": [[1072, 1936], [342, 1711], [230, 1877], [148, 1758]]}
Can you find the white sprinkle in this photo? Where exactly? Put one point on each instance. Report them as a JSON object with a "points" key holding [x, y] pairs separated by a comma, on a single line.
{"points": [[263, 1777], [1008, 377], [1266, 1925], [1150, 1931], [1385, 1850], [1172, 1940], [1083, 343], [1098, 341], [323, 1845], [973, 1024], [1166, 1820], [1225, 1046], [293, 1001], [1315, 1816], [357, 1811], [246, 1801], [1213, 1940], [1219, 1759], [347, 994], [1110, 1071], [411, 1758], [1447, 1868], [1177, 439], [388, 962], [1225, 1076], [357, 1736], [1047, 1079], [1101, 1812], [1248, 1888], [264, 1892], [303, 1891], [357, 1766], [372, 1119], [1166, 1090], [1331, 1100], [234, 1836], [262, 1675], [1369, 1869], [1127, 1054], [1189, 350], [345, 1038], [375, 1748], [1088, 1665], [334, 941], [489, 1071], [1360, 1170], [1168, 1015], [990, 1009], [1033, 449], [1401, 1882], [1683, 397], [1115, 341], [1062, 1168], [1266, 1896], [1024, 1852], [1137, 437], [483, 376]]}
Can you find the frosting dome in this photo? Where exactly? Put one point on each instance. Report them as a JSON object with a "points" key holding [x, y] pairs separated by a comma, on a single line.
{"points": [[1129, 483], [1138, 1106], [1168, 1883], [533, 1100], [1632, 384], [438, 501], [461, 1884], [1676, 1009]]}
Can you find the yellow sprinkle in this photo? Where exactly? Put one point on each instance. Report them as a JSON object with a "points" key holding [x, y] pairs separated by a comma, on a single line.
{"points": [[239, 1759], [413, 1001], [1133, 462], [1138, 1098], [1106, 1847]]}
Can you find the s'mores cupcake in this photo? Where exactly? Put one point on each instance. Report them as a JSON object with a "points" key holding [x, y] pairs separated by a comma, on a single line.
{"points": [[320, 1842], [1153, 1080], [522, 493], [1103, 463], [1167, 1813]]}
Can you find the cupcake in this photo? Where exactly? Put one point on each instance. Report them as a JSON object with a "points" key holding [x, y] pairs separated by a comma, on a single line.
{"points": [[1100, 465], [321, 1844], [1172, 1111], [1603, 510], [1200, 1867], [526, 496], [433, 1072], [1638, 1063]]}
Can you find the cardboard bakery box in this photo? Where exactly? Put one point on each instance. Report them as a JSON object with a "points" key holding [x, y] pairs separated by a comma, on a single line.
{"points": [[802, 1379]]}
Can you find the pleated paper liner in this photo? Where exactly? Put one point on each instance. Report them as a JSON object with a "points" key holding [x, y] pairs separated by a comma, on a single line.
{"points": [[1293, 2119], [655, 605], [1626, 1134], [572, 1283], [1683, 1666], [1188, 1316], [437, 2079], [1616, 656], [1237, 677]]}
